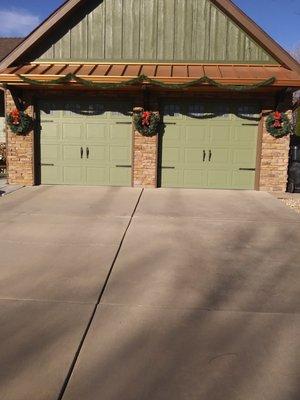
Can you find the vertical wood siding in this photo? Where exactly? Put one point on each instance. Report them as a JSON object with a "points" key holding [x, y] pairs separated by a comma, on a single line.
{"points": [[156, 30]]}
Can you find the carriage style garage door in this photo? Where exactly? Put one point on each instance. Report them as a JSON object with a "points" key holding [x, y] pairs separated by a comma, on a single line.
{"points": [[209, 146], [85, 143]]}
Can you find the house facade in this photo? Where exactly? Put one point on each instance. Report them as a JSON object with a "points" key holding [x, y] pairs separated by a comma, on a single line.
{"points": [[92, 66]]}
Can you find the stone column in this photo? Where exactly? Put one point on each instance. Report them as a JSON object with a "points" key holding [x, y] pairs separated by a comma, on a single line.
{"points": [[274, 161], [144, 159], [20, 149]]}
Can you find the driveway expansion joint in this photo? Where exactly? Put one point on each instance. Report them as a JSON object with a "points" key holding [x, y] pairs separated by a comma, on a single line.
{"points": [[71, 369], [46, 301], [200, 309]]}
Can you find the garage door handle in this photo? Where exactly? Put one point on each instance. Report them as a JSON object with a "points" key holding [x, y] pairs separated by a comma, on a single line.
{"points": [[81, 152], [247, 169], [168, 167], [123, 166], [46, 164], [123, 123], [87, 152], [210, 154], [204, 155]]}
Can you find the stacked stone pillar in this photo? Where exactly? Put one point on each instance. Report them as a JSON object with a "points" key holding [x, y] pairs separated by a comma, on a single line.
{"points": [[145, 151], [20, 149], [274, 161]]}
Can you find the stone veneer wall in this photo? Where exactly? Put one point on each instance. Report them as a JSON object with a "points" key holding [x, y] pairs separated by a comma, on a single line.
{"points": [[274, 162], [144, 161], [20, 159]]}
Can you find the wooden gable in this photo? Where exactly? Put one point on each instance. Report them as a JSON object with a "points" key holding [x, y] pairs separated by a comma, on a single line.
{"points": [[153, 30]]}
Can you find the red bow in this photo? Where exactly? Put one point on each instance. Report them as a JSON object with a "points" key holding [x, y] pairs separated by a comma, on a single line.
{"points": [[146, 118], [15, 114], [277, 118]]}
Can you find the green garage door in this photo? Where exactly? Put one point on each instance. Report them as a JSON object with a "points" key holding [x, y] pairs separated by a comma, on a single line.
{"points": [[209, 146], [85, 143]]}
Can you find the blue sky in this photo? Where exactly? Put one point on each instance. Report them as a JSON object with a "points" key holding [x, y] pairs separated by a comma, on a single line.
{"points": [[280, 18]]}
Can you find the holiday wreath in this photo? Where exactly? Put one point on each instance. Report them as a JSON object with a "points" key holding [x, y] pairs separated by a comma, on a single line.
{"points": [[278, 124], [146, 122], [18, 121]]}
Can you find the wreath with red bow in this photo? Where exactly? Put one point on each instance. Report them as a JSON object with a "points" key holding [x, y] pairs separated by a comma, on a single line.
{"points": [[278, 124], [18, 121], [146, 122]]}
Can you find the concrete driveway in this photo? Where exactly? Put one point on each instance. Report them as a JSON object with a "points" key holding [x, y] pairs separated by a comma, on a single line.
{"points": [[115, 293]]}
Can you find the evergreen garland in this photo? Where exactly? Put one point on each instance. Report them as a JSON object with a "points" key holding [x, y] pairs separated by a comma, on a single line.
{"points": [[146, 122], [278, 124], [142, 79], [19, 122]]}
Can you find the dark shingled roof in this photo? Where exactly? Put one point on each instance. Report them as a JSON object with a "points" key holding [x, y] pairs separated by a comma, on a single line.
{"points": [[7, 44]]}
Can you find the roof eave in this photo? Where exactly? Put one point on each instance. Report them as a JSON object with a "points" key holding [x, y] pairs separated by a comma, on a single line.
{"points": [[14, 79]]}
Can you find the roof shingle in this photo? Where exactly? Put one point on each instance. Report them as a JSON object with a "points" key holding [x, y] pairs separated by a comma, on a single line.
{"points": [[7, 44]]}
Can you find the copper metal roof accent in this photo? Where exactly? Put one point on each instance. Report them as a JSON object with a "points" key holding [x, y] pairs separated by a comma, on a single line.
{"points": [[224, 73]]}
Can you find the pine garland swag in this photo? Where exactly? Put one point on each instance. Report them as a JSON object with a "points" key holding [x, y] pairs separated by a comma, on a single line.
{"points": [[19, 122], [145, 79], [146, 122], [278, 124]]}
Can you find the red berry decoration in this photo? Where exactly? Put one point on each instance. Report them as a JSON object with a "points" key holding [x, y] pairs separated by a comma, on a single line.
{"points": [[146, 122], [18, 121], [278, 124]]}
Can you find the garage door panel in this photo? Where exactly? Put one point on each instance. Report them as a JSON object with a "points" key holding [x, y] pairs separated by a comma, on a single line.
{"points": [[194, 178], [51, 174], [172, 178], [244, 158], [243, 179], [97, 132], [244, 136], [219, 179], [219, 156], [85, 126], [119, 133], [50, 152], [71, 153], [119, 154], [173, 135], [196, 135], [96, 153], [50, 131], [194, 156], [73, 175], [171, 155], [219, 135], [97, 176], [71, 132], [120, 176], [229, 143]]}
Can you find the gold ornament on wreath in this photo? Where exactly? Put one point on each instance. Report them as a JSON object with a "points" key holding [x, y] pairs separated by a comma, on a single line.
{"points": [[146, 122]]}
